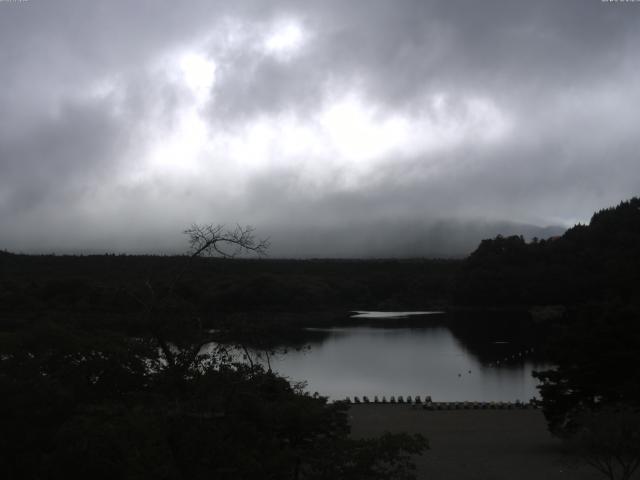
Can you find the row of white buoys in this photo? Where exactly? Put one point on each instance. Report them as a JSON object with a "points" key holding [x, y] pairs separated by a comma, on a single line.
{"points": [[511, 358], [417, 400], [428, 404], [481, 405]]}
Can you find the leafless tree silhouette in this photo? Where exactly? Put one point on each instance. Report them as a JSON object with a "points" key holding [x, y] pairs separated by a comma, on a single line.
{"points": [[216, 240], [204, 240]]}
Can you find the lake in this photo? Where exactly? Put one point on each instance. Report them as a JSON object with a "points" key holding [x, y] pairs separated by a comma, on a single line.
{"points": [[414, 360]]}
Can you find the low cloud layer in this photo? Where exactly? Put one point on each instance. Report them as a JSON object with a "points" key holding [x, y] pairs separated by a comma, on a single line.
{"points": [[360, 128]]}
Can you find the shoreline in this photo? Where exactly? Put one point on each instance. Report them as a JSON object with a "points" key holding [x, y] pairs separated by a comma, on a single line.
{"points": [[475, 444], [428, 404]]}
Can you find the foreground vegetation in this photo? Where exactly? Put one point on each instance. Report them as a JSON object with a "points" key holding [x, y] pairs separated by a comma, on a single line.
{"points": [[90, 399], [96, 405], [592, 276], [101, 371]]}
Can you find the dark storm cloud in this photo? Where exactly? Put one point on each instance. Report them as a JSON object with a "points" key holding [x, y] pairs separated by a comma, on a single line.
{"points": [[399, 50], [78, 142], [88, 89]]}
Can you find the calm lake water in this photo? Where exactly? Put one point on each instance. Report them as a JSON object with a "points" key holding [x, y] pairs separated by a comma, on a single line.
{"points": [[427, 360]]}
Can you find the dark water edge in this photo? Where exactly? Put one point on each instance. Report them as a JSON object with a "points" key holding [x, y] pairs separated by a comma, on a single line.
{"points": [[485, 333], [452, 356]]}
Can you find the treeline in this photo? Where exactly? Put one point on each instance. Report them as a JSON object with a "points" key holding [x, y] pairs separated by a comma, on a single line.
{"points": [[594, 262], [99, 404], [115, 285], [598, 262], [592, 275], [103, 374]]}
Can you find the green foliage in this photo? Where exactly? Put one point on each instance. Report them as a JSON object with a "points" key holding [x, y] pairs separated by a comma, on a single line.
{"points": [[596, 354], [87, 404]]}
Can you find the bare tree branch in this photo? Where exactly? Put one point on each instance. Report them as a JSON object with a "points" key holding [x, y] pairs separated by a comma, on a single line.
{"points": [[204, 240], [212, 240]]}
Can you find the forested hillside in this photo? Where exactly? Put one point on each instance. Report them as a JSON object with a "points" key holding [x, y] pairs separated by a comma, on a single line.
{"points": [[112, 288], [595, 262]]}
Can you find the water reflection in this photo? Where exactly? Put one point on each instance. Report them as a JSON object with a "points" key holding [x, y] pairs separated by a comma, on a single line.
{"points": [[388, 315], [371, 361]]}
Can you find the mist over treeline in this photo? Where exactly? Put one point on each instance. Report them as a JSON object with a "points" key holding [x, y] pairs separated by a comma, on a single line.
{"points": [[364, 239], [399, 239], [587, 262]]}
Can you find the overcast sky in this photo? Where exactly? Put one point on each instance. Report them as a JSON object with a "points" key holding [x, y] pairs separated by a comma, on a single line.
{"points": [[335, 127]]}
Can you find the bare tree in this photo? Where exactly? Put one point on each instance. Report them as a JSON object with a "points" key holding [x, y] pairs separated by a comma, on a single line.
{"points": [[204, 240], [212, 240]]}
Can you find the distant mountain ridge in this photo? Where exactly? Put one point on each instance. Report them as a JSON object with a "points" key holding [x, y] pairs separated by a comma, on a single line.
{"points": [[353, 238], [397, 238]]}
